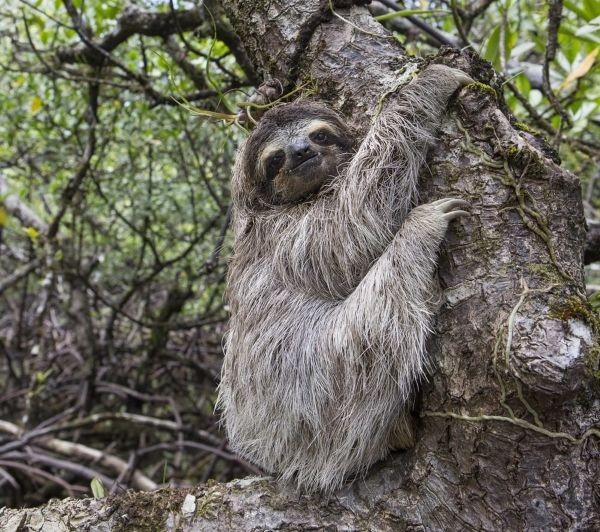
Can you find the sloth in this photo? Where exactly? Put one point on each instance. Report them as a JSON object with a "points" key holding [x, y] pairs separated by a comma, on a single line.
{"points": [[330, 285]]}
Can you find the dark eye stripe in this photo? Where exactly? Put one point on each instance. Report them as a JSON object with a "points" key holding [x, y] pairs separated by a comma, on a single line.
{"points": [[323, 137], [276, 160], [274, 164]]}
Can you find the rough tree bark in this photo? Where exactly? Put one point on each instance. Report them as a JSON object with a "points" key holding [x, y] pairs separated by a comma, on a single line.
{"points": [[506, 436]]}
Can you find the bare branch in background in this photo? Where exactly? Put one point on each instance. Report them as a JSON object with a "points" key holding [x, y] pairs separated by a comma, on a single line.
{"points": [[17, 208], [554, 15], [84, 165], [133, 21], [439, 36], [19, 274]]}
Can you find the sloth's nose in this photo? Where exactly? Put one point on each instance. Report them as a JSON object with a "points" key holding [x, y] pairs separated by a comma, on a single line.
{"points": [[301, 152]]}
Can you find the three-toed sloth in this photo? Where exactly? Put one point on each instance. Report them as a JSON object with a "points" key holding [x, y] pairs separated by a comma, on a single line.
{"points": [[330, 284]]}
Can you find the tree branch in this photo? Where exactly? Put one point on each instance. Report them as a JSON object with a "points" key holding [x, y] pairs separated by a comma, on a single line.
{"points": [[19, 274], [17, 207], [132, 21], [112, 463]]}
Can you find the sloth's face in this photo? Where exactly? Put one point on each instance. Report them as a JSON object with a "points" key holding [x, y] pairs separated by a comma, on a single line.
{"points": [[295, 150], [302, 158]]}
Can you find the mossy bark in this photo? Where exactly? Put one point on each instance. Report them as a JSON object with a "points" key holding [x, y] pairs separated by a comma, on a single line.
{"points": [[504, 439]]}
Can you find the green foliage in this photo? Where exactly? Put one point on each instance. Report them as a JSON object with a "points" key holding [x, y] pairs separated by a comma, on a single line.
{"points": [[130, 290], [513, 36]]}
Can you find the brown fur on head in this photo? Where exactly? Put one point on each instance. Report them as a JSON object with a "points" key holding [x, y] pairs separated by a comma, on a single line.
{"points": [[295, 149]]}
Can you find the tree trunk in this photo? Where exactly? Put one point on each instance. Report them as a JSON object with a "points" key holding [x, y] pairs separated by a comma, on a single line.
{"points": [[505, 424]]}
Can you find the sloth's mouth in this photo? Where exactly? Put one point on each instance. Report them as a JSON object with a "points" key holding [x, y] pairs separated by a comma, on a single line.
{"points": [[306, 162]]}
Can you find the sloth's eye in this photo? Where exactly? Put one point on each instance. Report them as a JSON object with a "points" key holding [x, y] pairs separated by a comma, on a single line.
{"points": [[274, 163], [320, 137], [276, 160]]}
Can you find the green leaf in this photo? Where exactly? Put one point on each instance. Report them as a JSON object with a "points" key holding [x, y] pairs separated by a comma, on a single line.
{"points": [[98, 490], [36, 104], [587, 37], [491, 50], [36, 20], [45, 36], [42, 376], [591, 8], [571, 48], [592, 27], [510, 40], [32, 233], [522, 49], [523, 85], [575, 7], [535, 97]]}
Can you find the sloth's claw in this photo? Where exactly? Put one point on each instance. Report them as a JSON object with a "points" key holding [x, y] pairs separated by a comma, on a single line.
{"points": [[450, 74], [455, 214], [447, 206]]}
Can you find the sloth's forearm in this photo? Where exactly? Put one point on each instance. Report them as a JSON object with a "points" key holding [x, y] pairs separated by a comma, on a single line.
{"points": [[398, 289], [383, 177], [381, 187]]}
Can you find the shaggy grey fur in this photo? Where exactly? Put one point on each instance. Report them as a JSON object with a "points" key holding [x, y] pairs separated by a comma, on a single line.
{"points": [[331, 301]]}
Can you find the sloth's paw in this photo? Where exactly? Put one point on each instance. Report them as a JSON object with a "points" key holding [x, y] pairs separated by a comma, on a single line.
{"points": [[450, 208]]}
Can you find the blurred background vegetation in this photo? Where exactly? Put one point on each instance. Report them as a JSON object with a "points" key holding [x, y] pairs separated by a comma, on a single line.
{"points": [[114, 215]]}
